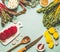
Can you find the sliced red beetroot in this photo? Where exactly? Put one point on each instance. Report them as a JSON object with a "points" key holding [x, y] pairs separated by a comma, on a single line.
{"points": [[13, 29], [3, 36], [7, 32]]}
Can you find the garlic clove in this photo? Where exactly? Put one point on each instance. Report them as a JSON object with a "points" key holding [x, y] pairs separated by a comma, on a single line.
{"points": [[14, 42], [56, 43]]}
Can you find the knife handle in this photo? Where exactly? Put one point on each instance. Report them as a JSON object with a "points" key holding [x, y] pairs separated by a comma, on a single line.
{"points": [[22, 50]]}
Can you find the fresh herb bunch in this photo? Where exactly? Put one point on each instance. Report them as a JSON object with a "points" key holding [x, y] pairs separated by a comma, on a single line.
{"points": [[49, 18]]}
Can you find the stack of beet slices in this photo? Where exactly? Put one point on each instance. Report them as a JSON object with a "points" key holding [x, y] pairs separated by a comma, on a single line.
{"points": [[8, 33]]}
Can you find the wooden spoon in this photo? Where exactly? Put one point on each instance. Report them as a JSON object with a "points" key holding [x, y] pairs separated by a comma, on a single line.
{"points": [[25, 40]]}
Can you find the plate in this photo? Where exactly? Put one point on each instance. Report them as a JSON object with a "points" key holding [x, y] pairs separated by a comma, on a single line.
{"points": [[7, 41]]}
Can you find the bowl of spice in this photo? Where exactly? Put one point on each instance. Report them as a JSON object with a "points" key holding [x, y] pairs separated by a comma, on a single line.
{"points": [[12, 4], [40, 47], [44, 3]]}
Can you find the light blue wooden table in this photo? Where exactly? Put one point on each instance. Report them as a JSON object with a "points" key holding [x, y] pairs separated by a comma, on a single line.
{"points": [[32, 27]]}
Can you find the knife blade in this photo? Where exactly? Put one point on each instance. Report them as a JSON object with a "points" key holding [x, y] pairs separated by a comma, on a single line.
{"points": [[31, 44]]}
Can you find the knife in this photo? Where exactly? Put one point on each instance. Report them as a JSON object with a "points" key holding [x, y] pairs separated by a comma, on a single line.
{"points": [[30, 45]]}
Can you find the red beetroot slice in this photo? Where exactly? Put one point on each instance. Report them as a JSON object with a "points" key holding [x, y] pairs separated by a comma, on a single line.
{"points": [[13, 29], [8, 33], [3, 36]]}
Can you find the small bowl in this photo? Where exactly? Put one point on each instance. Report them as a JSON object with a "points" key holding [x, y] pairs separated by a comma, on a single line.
{"points": [[40, 47], [9, 7], [43, 4]]}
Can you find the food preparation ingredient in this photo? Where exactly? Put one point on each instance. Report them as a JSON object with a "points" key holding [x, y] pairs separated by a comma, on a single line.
{"points": [[11, 31], [48, 39], [51, 16], [57, 10], [12, 4], [49, 8], [56, 35], [56, 43], [44, 3], [57, 7], [5, 18], [48, 34], [52, 30], [14, 42], [33, 3], [49, 20], [51, 45]]}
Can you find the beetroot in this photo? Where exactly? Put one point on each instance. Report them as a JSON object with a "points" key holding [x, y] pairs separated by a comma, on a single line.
{"points": [[8, 33], [3, 36], [13, 29], [2, 6]]}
